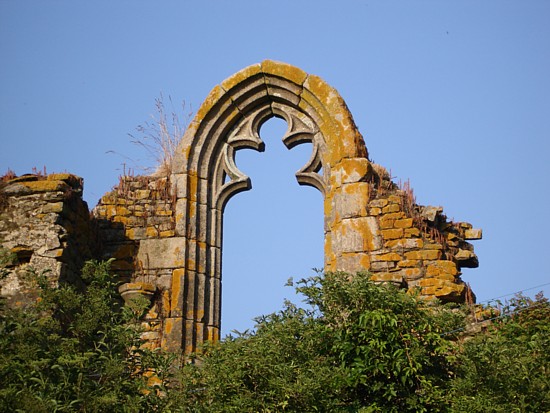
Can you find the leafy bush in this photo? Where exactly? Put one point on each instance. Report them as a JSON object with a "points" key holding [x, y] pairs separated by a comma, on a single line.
{"points": [[75, 351], [389, 342], [356, 346], [507, 368], [359, 346], [284, 366]]}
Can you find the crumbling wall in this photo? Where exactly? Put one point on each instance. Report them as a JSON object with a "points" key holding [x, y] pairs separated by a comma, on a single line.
{"points": [[138, 208], [44, 225], [380, 229], [377, 226], [135, 224], [164, 232], [417, 246]]}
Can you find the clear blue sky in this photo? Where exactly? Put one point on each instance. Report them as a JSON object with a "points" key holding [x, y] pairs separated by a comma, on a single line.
{"points": [[453, 95]]}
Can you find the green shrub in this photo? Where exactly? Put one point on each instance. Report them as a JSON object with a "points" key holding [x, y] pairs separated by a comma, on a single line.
{"points": [[74, 351], [507, 368], [359, 345], [355, 346]]}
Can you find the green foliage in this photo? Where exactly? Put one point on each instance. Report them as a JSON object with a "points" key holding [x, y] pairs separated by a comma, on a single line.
{"points": [[389, 342], [507, 368], [359, 346], [284, 366], [75, 351]]}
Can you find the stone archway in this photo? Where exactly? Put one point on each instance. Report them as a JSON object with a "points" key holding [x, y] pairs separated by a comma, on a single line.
{"points": [[206, 177], [165, 232]]}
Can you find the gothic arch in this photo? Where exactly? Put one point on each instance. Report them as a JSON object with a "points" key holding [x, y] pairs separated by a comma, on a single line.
{"points": [[206, 177]]}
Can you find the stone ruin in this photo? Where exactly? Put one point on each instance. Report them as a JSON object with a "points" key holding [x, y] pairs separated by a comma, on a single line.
{"points": [[164, 232]]}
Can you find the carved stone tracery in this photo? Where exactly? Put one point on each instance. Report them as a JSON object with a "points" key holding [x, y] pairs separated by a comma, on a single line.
{"points": [[207, 177]]}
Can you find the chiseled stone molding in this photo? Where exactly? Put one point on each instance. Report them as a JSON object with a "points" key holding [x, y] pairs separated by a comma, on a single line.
{"points": [[206, 176]]}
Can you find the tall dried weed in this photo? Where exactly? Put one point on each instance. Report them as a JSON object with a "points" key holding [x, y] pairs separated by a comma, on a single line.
{"points": [[160, 136]]}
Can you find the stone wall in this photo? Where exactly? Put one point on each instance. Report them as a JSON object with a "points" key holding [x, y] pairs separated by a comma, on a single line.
{"points": [[379, 227], [165, 232], [138, 208], [383, 230], [417, 246], [45, 225], [135, 223]]}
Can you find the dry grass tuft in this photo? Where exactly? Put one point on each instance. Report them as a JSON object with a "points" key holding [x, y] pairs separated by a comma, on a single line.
{"points": [[160, 137], [8, 176]]}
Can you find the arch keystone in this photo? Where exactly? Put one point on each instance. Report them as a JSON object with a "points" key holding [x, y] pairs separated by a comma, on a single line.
{"points": [[284, 71]]}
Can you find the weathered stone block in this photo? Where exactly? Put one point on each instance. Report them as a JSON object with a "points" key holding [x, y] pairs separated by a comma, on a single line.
{"points": [[408, 263], [140, 194], [108, 199], [167, 233], [172, 336], [181, 217], [356, 235], [354, 170], [430, 212], [196, 256], [375, 211], [395, 215], [212, 333], [353, 262], [162, 253], [423, 255], [389, 234], [31, 187], [473, 234], [151, 232], [164, 212], [378, 203], [391, 208], [414, 273], [391, 277], [403, 223], [445, 290], [177, 297], [352, 201], [120, 219], [433, 246], [278, 69], [386, 222], [392, 256], [55, 207], [466, 259], [122, 211], [133, 233], [382, 265], [405, 243], [441, 268], [411, 232]]}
